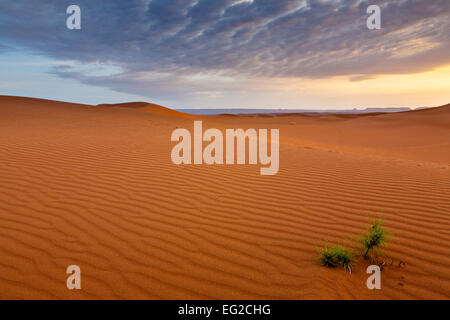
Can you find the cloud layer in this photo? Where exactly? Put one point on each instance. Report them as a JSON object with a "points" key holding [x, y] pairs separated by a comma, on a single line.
{"points": [[184, 48]]}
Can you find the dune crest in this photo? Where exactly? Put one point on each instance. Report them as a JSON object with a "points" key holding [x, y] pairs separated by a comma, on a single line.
{"points": [[132, 105], [148, 107]]}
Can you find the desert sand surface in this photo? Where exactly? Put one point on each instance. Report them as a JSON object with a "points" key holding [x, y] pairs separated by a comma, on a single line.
{"points": [[94, 186]]}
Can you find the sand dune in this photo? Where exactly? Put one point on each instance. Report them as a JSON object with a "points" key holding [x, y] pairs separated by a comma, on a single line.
{"points": [[148, 107], [94, 186], [133, 105]]}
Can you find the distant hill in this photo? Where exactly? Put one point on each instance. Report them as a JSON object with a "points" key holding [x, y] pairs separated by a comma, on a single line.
{"points": [[285, 111]]}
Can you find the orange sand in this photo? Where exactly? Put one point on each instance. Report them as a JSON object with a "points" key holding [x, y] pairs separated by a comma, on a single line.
{"points": [[95, 186]]}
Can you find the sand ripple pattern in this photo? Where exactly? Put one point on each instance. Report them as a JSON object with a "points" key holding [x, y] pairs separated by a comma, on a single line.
{"points": [[95, 187]]}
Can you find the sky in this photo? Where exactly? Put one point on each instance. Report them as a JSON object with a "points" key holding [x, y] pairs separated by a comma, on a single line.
{"points": [[306, 54]]}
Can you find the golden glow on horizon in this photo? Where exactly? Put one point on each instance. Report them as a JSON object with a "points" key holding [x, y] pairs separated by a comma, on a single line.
{"points": [[437, 80], [430, 88]]}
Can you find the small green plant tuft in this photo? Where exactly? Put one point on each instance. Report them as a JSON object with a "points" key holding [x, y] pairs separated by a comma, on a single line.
{"points": [[373, 242], [337, 255], [344, 257], [327, 257], [375, 239]]}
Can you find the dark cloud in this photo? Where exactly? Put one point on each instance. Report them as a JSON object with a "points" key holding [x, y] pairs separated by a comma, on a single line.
{"points": [[259, 38]]}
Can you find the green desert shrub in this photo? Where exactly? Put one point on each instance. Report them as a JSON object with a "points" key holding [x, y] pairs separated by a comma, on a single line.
{"points": [[373, 243], [375, 239], [344, 257], [327, 256], [337, 255]]}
